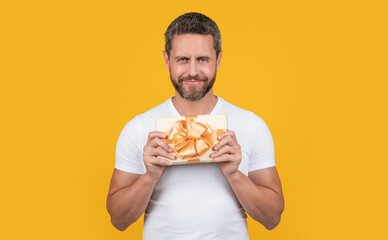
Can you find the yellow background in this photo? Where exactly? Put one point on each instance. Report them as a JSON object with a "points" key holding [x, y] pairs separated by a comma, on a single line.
{"points": [[73, 73]]}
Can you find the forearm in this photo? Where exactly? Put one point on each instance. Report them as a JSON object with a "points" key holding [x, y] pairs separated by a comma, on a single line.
{"points": [[128, 204], [261, 203]]}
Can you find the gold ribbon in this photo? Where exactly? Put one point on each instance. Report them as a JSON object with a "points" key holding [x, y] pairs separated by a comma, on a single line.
{"points": [[190, 139]]}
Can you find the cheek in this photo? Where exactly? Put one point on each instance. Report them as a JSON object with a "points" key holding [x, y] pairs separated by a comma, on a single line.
{"points": [[209, 70], [178, 70]]}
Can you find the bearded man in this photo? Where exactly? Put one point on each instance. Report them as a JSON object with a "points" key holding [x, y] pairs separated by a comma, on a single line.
{"points": [[195, 201]]}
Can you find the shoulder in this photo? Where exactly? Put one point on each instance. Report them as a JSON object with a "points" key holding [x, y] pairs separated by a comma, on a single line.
{"points": [[145, 122], [242, 116], [154, 112]]}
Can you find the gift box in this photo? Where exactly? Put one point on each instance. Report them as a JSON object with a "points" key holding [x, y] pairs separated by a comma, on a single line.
{"points": [[192, 137]]}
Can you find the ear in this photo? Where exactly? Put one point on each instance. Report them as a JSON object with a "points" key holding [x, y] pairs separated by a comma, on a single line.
{"points": [[219, 60], [166, 60]]}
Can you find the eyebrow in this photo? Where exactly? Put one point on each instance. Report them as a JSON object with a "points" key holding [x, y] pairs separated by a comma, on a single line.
{"points": [[178, 57]]}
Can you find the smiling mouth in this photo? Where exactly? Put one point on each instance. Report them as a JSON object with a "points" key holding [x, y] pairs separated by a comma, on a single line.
{"points": [[192, 81]]}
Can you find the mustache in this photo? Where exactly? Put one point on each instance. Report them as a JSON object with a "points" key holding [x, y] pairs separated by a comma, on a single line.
{"points": [[196, 77]]}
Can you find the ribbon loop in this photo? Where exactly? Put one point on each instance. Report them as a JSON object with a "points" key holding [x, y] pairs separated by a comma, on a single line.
{"points": [[190, 138]]}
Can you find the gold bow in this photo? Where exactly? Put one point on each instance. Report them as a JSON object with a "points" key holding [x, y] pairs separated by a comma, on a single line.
{"points": [[190, 138]]}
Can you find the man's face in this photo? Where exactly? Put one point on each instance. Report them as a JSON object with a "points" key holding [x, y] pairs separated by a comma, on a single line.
{"points": [[192, 65]]}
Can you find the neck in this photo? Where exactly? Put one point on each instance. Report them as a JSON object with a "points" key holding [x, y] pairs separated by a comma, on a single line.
{"points": [[201, 107]]}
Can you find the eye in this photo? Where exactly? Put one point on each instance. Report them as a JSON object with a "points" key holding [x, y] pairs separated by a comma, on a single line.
{"points": [[202, 60], [182, 59]]}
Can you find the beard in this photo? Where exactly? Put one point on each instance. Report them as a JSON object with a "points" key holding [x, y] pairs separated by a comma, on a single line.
{"points": [[193, 94]]}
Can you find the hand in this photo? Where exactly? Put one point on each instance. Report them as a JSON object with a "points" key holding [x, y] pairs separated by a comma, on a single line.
{"points": [[156, 147], [227, 153]]}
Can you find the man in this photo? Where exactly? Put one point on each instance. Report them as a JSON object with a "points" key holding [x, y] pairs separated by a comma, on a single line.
{"points": [[195, 201]]}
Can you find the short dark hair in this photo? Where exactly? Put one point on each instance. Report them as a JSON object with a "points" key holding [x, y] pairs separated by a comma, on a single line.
{"points": [[193, 22]]}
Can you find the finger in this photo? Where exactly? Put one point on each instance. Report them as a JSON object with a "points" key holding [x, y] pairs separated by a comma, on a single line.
{"points": [[159, 161], [157, 142], [224, 150], [161, 152], [226, 140], [154, 134], [227, 133], [224, 158]]}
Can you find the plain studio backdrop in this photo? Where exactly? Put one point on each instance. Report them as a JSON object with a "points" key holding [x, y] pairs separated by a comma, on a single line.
{"points": [[73, 73]]}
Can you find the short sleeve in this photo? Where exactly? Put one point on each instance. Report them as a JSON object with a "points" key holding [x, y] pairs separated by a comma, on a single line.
{"points": [[262, 153], [128, 155]]}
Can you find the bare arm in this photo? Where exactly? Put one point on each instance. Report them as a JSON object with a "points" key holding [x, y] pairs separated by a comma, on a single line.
{"points": [[260, 194], [128, 197], [129, 194]]}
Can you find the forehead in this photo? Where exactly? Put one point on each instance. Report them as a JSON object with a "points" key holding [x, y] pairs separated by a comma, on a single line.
{"points": [[189, 44]]}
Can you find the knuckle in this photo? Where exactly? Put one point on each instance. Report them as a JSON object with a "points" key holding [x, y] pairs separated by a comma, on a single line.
{"points": [[152, 135], [154, 142], [145, 153], [164, 145], [146, 161], [152, 160], [153, 152], [162, 152], [160, 161], [159, 149], [159, 152]]}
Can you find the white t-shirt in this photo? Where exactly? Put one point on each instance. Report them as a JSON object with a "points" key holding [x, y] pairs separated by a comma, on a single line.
{"points": [[195, 201]]}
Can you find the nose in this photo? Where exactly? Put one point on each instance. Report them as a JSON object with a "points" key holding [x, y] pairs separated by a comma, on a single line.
{"points": [[193, 68]]}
